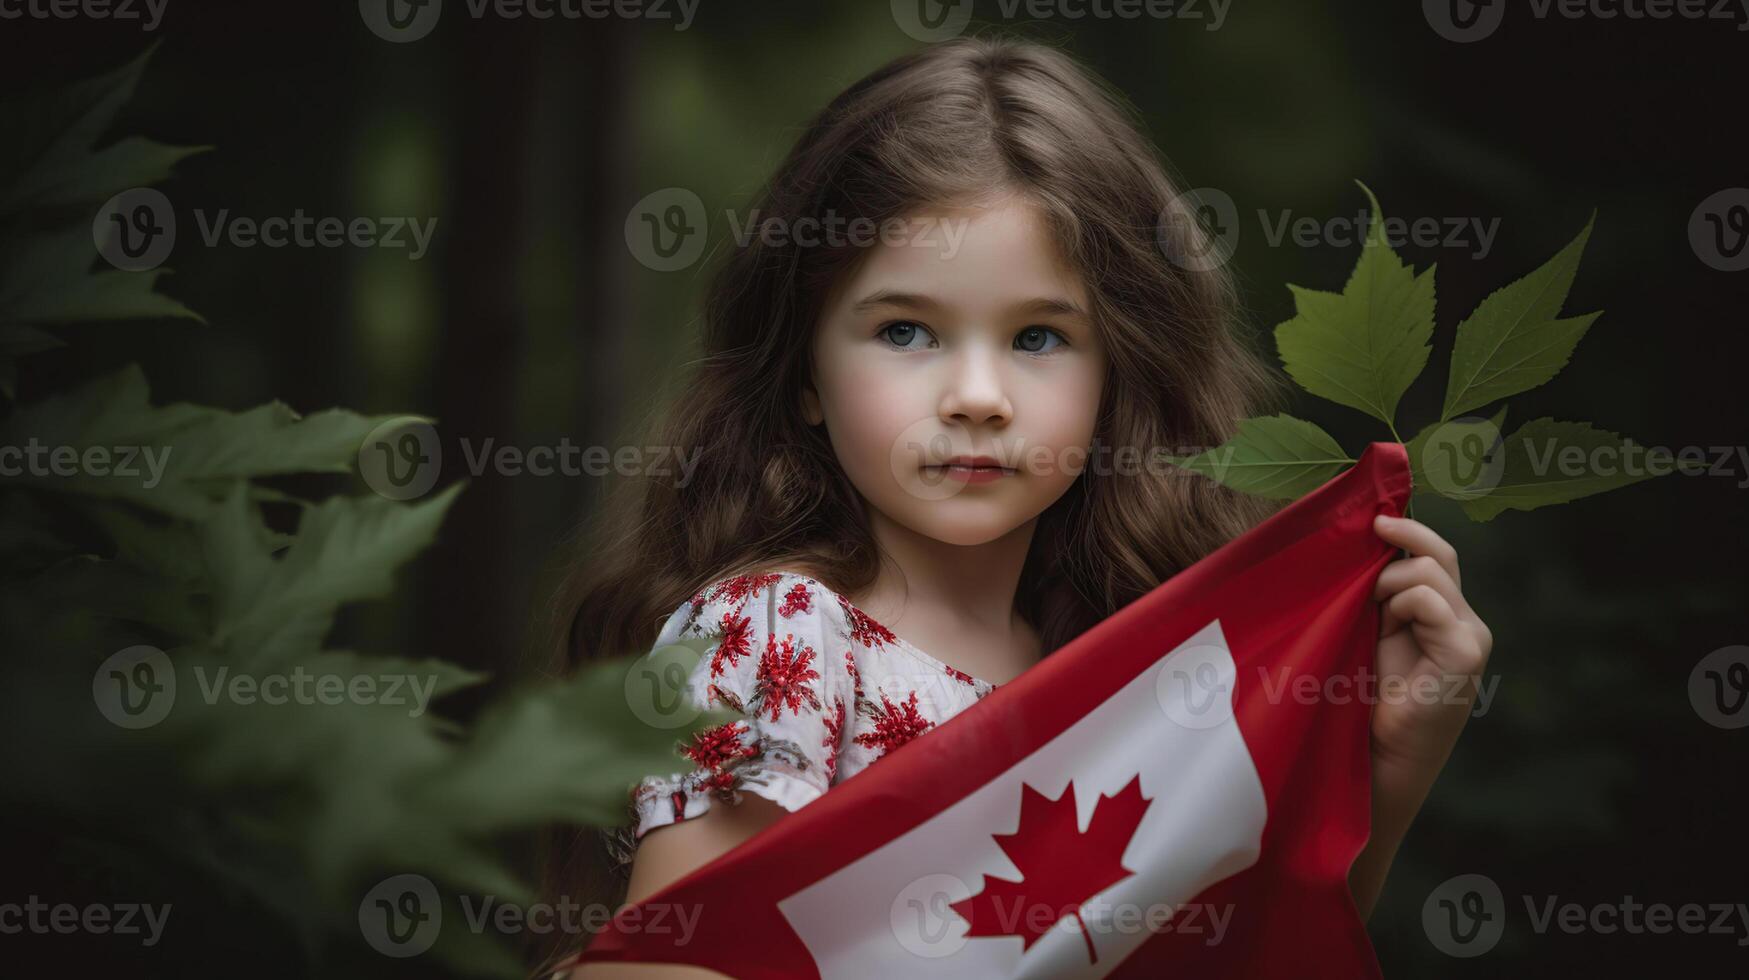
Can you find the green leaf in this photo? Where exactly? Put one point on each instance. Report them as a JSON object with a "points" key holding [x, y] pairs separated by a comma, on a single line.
{"points": [[123, 165], [1362, 347], [184, 456], [346, 549], [1276, 456], [48, 279], [1551, 462], [119, 591], [1515, 340], [47, 158], [1453, 458]]}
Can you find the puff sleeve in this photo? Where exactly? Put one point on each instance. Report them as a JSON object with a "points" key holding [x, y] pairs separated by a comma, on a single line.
{"points": [[777, 660]]}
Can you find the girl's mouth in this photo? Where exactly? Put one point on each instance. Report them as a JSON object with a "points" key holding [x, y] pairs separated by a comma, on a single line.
{"points": [[968, 472]]}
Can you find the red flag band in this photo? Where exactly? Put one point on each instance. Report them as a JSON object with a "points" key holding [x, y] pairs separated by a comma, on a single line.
{"points": [[1183, 786]]}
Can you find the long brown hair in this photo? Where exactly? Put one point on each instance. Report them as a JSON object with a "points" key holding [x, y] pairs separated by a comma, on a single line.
{"points": [[933, 128]]}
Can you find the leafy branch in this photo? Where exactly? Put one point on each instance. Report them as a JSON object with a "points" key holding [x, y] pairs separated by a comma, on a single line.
{"points": [[1366, 345], [275, 817]]}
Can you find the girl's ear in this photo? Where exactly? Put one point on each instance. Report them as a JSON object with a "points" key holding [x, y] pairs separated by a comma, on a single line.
{"points": [[811, 406]]}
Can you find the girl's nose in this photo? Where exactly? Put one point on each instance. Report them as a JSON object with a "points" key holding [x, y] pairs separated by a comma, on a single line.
{"points": [[976, 391]]}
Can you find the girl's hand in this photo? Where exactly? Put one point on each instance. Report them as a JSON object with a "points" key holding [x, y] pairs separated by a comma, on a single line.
{"points": [[1432, 650]]}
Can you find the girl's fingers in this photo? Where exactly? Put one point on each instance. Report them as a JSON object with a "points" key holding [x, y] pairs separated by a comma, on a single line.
{"points": [[1419, 539], [1444, 639], [1405, 573]]}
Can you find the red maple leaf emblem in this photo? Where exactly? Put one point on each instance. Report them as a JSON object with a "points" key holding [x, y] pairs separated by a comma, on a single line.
{"points": [[1061, 866]]}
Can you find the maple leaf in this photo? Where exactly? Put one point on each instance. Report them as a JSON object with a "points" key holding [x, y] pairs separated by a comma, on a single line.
{"points": [[1061, 866]]}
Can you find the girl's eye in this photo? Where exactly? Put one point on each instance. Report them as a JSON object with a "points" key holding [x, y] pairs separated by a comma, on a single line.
{"points": [[901, 333], [1033, 340]]}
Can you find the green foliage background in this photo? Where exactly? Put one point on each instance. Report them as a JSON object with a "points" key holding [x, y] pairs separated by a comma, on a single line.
{"points": [[1591, 776]]}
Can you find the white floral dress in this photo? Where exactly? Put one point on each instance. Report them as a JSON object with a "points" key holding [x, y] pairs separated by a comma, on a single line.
{"points": [[822, 690]]}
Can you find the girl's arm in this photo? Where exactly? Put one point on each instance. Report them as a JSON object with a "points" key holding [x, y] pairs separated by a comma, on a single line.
{"points": [[670, 852]]}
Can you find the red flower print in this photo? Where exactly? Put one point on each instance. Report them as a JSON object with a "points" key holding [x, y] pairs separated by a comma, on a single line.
{"points": [[736, 590], [715, 746], [834, 726], [895, 724], [737, 641], [713, 694], [797, 600], [855, 672], [865, 630], [718, 782], [784, 673], [957, 674]]}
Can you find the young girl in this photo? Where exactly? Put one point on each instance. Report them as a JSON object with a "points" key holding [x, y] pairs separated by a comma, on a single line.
{"points": [[926, 460]]}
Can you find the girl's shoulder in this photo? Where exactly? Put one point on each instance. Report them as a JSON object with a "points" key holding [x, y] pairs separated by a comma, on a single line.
{"points": [[771, 602]]}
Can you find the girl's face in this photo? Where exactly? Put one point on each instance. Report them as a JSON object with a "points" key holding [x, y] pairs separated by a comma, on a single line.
{"points": [[965, 338]]}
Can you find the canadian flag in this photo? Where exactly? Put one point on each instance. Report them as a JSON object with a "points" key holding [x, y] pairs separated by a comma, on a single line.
{"points": [[1182, 788]]}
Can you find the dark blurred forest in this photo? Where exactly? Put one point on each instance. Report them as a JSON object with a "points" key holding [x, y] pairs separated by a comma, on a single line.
{"points": [[1592, 775]]}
